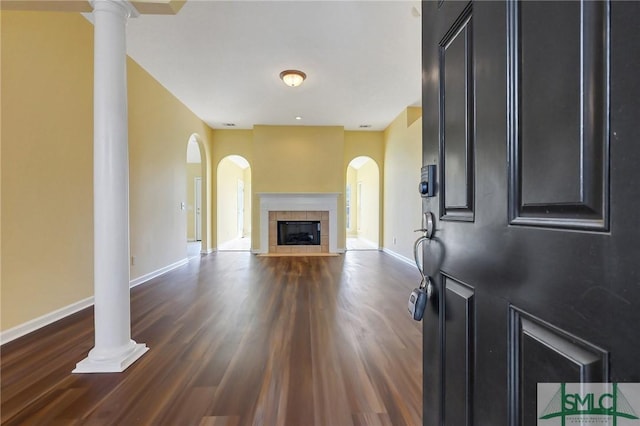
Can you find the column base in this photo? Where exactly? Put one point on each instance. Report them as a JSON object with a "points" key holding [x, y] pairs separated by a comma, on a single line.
{"points": [[115, 365]]}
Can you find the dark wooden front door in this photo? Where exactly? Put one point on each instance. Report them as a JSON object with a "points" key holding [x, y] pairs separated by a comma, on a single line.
{"points": [[532, 116]]}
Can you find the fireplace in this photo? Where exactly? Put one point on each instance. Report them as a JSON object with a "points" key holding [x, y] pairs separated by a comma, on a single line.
{"points": [[299, 232], [293, 231], [306, 207]]}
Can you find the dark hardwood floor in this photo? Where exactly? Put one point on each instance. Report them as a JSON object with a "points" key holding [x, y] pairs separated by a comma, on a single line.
{"points": [[237, 339]]}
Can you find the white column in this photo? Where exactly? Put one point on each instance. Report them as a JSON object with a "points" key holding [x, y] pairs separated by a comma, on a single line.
{"points": [[114, 350]]}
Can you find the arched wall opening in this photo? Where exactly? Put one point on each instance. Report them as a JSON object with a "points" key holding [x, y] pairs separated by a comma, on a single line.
{"points": [[362, 201], [197, 199], [233, 204]]}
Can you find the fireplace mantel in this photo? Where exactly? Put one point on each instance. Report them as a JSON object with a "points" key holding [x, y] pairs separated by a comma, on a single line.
{"points": [[298, 201]]}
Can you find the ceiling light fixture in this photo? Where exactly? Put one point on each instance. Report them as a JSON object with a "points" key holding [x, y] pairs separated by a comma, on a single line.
{"points": [[298, 117], [292, 78]]}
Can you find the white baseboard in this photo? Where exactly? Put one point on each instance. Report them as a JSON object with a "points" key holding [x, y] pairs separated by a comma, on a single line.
{"points": [[151, 275], [37, 323], [207, 251], [399, 256]]}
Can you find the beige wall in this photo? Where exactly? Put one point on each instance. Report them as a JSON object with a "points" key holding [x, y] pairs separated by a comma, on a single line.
{"points": [[352, 181], [298, 159], [246, 175], [207, 174], [225, 143], [365, 208], [369, 183], [159, 131], [402, 203], [368, 144], [364, 144], [47, 163], [194, 170], [228, 176], [47, 172]]}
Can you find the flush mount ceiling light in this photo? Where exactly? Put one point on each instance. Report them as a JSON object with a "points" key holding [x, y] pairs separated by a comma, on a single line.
{"points": [[292, 78]]}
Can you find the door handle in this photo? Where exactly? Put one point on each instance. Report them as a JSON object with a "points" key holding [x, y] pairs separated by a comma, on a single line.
{"points": [[420, 295], [425, 279], [427, 230], [428, 225]]}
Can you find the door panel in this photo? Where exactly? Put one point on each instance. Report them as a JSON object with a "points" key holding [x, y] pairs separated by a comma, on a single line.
{"points": [[541, 353], [456, 115], [540, 81], [459, 350], [559, 110], [550, 299]]}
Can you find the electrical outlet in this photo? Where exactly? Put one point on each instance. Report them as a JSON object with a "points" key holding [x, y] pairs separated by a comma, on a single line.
{"points": [[395, 241], [133, 260]]}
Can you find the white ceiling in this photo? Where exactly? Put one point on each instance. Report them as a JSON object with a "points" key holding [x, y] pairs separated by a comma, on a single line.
{"points": [[222, 59], [238, 160], [358, 162]]}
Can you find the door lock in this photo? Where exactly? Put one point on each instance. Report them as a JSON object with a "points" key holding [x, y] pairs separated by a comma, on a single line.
{"points": [[427, 185]]}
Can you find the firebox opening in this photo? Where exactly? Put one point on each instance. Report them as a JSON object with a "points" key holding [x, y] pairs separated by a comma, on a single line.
{"points": [[299, 232]]}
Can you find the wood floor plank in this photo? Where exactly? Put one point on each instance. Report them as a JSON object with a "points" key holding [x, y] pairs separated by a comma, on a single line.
{"points": [[372, 419], [237, 339], [220, 421], [188, 408]]}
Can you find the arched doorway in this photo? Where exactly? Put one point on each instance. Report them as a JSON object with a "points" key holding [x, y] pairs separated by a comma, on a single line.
{"points": [[196, 206], [234, 204], [362, 199]]}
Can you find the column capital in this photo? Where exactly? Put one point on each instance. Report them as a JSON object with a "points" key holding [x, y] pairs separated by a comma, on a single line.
{"points": [[123, 7]]}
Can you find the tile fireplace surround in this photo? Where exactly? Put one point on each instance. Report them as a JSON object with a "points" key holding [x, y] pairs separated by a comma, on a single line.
{"points": [[293, 206]]}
